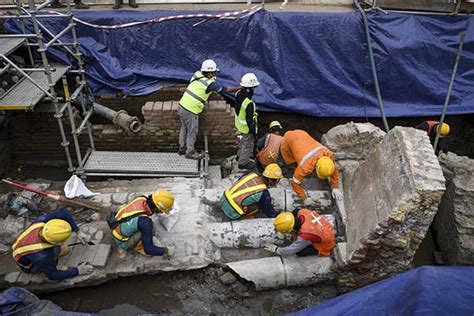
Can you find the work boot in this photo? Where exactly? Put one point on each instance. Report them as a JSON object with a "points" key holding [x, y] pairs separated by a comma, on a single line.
{"points": [[181, 151], [132, 4], [81, 6], [57, 5], [193, 155], [117, 5]]}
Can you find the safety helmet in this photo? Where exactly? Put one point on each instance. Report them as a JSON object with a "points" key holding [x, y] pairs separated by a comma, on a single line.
{"points": [[444, 129], [275, 124], [273, 171], [325, 167], [249, 80], [284, 222], [56, 231], [163, 200], [209, 66]]}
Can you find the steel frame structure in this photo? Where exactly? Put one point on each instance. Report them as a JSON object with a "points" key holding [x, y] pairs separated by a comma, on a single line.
{"points": [[38, 40]]}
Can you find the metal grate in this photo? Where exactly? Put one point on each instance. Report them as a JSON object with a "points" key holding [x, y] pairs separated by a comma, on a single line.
{"points": [[8, 45], [145, 164]]}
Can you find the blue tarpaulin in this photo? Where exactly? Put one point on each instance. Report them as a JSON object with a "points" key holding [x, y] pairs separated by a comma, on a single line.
{"points": [[426, 291], [309, 63]]}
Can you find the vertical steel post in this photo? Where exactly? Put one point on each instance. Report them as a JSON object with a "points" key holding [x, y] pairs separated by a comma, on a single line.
{"points": [[23, 30], [450, 89], [67, 97]]}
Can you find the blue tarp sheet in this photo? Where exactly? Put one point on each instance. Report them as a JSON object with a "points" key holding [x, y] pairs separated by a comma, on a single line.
{"points": [[426, 291], [309, 63]]}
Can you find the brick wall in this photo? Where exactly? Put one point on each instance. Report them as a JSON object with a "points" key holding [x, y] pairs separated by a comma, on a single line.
{"points": [[36, 136]]}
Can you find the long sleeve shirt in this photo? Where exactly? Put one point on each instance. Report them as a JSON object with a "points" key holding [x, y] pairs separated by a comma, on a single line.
{"points": [[295, 247], [46, 260], [145, 225], [266, 206]]}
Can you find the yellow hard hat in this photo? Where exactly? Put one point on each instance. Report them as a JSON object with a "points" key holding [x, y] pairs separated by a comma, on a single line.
{"points": [[56, 231], [273, 171], [284, 222], [275, 124], [325, 167], [444, 130], [163, 200]]}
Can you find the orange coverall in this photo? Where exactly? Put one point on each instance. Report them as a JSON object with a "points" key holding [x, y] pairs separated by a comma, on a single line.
{"points": [[300, 148]]}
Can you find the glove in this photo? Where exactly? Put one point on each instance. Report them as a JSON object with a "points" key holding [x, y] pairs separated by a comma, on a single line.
{"points": [[308, 202], [169, 251], [337, 195], [85, 268], [270, 247], [82, 237]]}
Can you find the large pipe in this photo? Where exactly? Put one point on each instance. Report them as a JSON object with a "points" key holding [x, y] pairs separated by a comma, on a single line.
{"points": [[278, 272], [120, 119]]}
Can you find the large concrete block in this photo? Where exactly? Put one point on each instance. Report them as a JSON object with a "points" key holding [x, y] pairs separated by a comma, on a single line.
{"points": [[454, 222], [390, 200]]}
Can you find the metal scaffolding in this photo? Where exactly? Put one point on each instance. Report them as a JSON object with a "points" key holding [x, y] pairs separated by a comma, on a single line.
{"points": [[39, 77]]}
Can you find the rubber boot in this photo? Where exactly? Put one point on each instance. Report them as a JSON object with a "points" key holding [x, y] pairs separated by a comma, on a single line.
{"points": [[132, 4], [117, 5], [81, 6]]}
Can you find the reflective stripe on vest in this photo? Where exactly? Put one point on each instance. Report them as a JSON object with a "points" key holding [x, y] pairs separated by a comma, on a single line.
{"points": [[269, 154], [29, 242], [236, 194], [195, 96], [310, 154], [314, 224], [240, 119], [128, 210]]}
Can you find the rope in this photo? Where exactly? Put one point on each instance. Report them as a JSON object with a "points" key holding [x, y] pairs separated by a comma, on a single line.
{"points": [[225, 15]]}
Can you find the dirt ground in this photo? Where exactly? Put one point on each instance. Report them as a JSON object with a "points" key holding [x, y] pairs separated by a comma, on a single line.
{"points": [[198, 292]]}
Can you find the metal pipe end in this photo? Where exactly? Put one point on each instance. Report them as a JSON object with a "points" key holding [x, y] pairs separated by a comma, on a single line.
{"points": [[135, 126]]}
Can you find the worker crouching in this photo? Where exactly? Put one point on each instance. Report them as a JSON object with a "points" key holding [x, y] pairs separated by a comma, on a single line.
{"points": [[132, 227], [312, 233], [268, 145], [38, 248], [249, 194]]}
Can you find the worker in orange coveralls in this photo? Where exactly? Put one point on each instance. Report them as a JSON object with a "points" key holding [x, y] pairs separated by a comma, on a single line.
{"points": [[309, 155]]}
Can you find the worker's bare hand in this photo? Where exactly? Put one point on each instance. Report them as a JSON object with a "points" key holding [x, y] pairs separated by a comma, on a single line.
{"points": [[270, 247]]}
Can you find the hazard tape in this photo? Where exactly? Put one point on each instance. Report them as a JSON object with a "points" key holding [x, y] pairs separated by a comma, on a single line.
{"points": [[226, 15]]}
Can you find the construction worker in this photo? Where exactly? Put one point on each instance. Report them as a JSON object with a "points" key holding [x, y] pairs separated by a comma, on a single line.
{"points": [[249, 194], [38, 248], [192, 103], [134, 229], [309, 155], [56, 4], [313, 234], [431, 128], [268, 145], [246, 121]]}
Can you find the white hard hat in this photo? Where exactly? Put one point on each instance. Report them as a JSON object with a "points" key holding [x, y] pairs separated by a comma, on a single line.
{"points": [[249, 80], [209, 66]]}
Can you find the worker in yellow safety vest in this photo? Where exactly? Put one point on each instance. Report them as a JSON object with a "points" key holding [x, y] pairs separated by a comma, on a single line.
{"points": [[268, 145], [38, 248], [249, 194], [192, 103], [132, 227], [246, 121]]}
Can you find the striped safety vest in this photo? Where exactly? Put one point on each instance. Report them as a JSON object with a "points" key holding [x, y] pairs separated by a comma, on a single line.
{"points": [[246, 186], [29, 242], [240, 119], [137, 206], [195, 96]]}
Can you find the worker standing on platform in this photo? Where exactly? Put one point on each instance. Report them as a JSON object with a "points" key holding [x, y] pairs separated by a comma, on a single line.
{"points": [[249, 194], [268, 145], [192, 103], [132, 227], [313, 234], [309, 155], [246, 121], [431, 128], [38, 248]]}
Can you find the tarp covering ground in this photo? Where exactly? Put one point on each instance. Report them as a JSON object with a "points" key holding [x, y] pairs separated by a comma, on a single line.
{"points": [[309, 63], [426, 290]]}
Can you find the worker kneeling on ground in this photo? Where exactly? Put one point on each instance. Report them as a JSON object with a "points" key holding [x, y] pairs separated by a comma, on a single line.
{"points": [[250, 194], [313, 234], [431, 128], [132, 227], [309, 155], [268, 145], [38, 248]]}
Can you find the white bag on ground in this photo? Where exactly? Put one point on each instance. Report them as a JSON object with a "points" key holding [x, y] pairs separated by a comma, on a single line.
{"points": [[168, 221], [76, 188]]}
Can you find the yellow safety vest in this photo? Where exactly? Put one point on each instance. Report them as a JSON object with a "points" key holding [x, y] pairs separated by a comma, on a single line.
{"points": [[246, 186], [240, 119], [195, 96]]}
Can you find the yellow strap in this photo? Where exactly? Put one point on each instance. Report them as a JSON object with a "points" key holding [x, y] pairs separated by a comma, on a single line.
{"points": [[123, 208], [232, 194], [120, 237], [249, 189], [26, 232], [32, 247], [249, 177]]}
